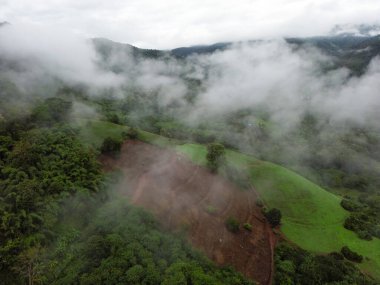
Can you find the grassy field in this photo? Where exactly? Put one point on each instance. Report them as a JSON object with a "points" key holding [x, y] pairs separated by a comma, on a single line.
{"points": [[312, 217]]}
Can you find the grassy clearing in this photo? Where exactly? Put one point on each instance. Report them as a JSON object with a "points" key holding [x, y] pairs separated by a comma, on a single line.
{"points": [[94, 132], [195, 152], [157, 139], [312, 217]]}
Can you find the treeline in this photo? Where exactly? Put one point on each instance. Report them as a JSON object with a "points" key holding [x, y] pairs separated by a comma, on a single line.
{"points": [[364, 218], [125, 245], [297, 266], [38, 170]]}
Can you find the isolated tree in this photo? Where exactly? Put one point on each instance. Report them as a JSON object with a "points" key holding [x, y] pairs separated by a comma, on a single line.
{"points": [[274, 217], [114, 118], [110, 146], [232, 225], [215, 156], [132, 133]]}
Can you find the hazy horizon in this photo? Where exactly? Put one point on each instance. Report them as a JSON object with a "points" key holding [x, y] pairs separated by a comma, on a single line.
{"points": [[149, 24]]}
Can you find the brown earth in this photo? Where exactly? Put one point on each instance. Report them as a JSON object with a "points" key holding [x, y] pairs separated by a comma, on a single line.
{"points": [[185, 196]]}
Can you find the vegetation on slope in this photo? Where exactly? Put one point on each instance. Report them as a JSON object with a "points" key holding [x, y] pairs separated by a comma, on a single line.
{"points": [[38, 171], [61, 225], [311, 217], [297, 266], [122, 244]]}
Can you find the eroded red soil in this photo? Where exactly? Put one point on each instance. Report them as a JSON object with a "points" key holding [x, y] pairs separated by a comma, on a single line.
{"points": [[183, 195]]}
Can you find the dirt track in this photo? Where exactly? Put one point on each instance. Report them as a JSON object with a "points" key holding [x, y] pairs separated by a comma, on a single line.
{"points": [[183, 195]]}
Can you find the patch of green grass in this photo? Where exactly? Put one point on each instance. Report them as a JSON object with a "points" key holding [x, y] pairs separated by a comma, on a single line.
{"points": [[94, 132], [196, 152], [156, 139], [300, 200]]}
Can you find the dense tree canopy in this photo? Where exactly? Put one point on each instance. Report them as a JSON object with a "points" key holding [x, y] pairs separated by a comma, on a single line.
{"points": [[37, 172], [125, 245], [297, 266]]}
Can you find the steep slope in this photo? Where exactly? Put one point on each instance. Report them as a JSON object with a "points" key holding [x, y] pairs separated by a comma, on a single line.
{"points": [[312, 217], [185, 196]]}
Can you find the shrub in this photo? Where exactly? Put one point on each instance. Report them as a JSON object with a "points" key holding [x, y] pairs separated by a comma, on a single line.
{"points": [[113, 118], [351, 255], [211, 209], [350, 205], [364, 235], [259, 203], [247, 226], [336, 255], [360, 223], [232, 225], [375, 231], [353, 223]]}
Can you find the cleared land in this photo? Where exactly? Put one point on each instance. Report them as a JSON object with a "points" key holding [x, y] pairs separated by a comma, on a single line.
{"points": [[185, 196]]}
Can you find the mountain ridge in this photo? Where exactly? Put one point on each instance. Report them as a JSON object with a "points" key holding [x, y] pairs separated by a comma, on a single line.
{"points": [[352, 52]]}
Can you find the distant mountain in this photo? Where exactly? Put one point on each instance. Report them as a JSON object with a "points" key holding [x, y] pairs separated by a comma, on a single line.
{"points": [[362, 30], [349, 46], [200, 49], [114, 55], [105, 47], [353, 52]]}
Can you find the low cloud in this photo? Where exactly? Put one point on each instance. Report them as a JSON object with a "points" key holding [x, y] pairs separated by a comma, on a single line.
{"points": [[287, 82], [38, 54], [274, 74]]}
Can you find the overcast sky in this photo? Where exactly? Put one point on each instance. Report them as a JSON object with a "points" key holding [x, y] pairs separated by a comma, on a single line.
{"points": [[174, 23]]}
